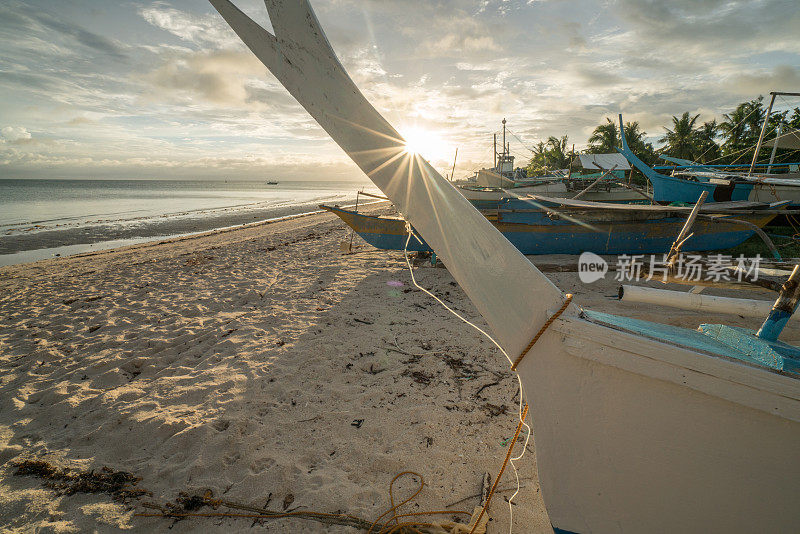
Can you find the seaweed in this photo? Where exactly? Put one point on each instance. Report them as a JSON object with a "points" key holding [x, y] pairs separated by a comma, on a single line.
{"points": [[66, 481]]}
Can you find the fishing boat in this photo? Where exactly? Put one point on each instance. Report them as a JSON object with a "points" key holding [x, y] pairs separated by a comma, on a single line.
{"points": [[686, 185], [503, 182], [639, 426], [560, 226]]}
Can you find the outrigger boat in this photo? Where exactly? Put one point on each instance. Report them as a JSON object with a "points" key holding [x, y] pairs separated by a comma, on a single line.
{"points": [[687, 185], [504, 183], [561, 226], [639, 426]]}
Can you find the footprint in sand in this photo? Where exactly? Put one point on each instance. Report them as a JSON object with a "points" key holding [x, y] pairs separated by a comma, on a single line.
{"points": [[260, 464]]}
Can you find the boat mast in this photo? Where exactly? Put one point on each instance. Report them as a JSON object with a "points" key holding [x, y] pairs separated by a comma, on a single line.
{"points": [[764, 127], [504, 137], [775, 147], [495, 151]]}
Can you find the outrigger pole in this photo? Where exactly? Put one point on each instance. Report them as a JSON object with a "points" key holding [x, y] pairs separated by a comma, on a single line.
{"points": [[764, 127]]}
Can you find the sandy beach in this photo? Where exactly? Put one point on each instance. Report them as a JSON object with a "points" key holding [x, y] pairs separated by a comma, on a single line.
{"points": [[266, 366]]}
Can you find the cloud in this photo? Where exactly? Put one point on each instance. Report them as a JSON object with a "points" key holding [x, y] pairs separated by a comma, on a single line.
{"points": [[715, 27], [201, 30], [169, 84], [42, 28], [780, 78], [215, 76], [13, 134], [80, 121]]}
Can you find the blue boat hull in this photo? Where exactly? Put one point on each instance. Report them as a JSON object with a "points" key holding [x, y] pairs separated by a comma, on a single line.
{"points": [[670, 189], [535, 233]]}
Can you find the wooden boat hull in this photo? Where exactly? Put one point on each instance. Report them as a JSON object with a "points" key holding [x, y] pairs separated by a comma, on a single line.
{"points": [[675, 441], [632, 434], [480, 195], [673, 189], [537, 234]]}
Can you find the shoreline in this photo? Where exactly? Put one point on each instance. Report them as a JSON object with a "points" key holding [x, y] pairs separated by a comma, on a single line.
{"points": [[261, 364], [71, 248]]}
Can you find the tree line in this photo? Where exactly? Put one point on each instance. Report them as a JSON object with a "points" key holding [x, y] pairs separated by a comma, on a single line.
{"points": [[732, 140]]}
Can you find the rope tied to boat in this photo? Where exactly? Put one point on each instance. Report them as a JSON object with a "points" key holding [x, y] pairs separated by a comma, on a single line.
{"points": [[542, 330], [502, 470]]}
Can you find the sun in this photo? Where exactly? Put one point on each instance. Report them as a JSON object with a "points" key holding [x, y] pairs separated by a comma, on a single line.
{"points": [[426, 143]]}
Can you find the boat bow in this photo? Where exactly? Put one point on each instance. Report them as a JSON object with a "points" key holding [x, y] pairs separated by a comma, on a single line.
{"points": [[514, 298]]}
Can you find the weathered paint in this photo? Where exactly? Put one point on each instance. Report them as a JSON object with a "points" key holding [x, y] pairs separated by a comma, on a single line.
{"points": [[546, 236], [738, 343], [674, 189], [637, 433]]}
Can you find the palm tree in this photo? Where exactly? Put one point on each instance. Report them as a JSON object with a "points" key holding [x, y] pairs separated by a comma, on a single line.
{"points": [[705, 140], [681, 139], [550, 154], [604, 138], [741, 129], [557, 155]]}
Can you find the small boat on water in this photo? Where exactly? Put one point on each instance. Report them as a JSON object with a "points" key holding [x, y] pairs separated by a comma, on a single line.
{"points": [[639, 426], [271, 182], [560, 226]]}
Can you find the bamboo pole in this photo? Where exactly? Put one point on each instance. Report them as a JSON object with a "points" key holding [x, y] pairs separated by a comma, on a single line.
{"points": [[762, 281], [684, 233], [695, 302], [783, 309], [754, 227], [774, 147], [576, 197], [761, 135], [637, 190]]}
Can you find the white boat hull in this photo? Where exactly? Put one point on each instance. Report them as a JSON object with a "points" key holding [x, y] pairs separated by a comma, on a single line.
{"points": [[674, 441], [631, 434]]}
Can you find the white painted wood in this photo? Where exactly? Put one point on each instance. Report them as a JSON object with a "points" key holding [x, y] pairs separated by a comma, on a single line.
{"points": [[511, 294], [632, 434], [632, 444], [735, 380], [736, 371], [698, 302]]}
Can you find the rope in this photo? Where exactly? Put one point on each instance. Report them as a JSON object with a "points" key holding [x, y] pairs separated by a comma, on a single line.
{"points": [[545, 326], [513, 459], [333, 519], [522, 412], [437, 299], [502, 469]]}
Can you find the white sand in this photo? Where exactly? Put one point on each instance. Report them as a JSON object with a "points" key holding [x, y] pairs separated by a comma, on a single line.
{"points": [[238, 361]]}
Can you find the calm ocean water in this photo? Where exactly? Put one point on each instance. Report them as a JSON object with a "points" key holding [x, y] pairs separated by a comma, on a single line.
{"points": [[42, 218]]}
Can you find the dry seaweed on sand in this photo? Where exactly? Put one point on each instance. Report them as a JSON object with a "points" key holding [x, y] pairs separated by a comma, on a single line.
{"points": [[66, 481]]}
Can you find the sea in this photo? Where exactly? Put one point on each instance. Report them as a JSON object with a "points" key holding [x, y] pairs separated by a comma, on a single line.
{"points": [[49, 218]]}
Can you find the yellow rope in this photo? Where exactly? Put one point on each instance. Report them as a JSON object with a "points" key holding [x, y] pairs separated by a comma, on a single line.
{"points": [[384, 527], [502, 469], [567, 300]]}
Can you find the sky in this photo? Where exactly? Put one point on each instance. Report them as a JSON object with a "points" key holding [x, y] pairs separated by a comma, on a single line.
{"points": [[165, 90]]}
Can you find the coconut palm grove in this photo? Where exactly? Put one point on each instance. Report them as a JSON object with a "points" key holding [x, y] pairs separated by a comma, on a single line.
{"points": [[731, 139]]}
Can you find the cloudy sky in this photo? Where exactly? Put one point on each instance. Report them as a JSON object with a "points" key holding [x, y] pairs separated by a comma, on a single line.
{"points": [[163, 89]]}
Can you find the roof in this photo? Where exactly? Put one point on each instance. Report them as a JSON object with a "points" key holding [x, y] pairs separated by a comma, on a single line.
{"points": [[790, 139], [604, 161]]}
